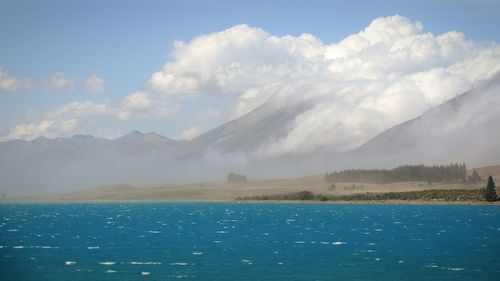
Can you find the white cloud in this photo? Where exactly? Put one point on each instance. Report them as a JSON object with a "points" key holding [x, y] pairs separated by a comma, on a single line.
{"points": [[138, 100], [61, 121], [386, 74], [144, 104], [60, 82], [94, 84], [79, 109], [190, 133], [11, 83], [57, 122], [46, 128]]}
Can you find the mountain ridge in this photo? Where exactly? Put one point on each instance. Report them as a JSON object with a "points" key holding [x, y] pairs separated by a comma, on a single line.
{"points": [[462, 129]]}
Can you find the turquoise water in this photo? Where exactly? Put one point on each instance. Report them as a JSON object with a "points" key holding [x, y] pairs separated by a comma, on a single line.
{"points": [[211, 241]]}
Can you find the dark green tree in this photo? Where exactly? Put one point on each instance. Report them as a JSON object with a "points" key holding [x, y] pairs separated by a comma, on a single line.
{"points": [[305, 195], [491, 194]]}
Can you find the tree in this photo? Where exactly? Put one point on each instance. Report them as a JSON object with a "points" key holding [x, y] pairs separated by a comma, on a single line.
{"points": [[491, 194], [475, 178], [235, 178]]}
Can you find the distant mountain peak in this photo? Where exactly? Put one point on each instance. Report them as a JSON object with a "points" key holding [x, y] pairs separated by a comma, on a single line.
{"points": [[137, 136]]}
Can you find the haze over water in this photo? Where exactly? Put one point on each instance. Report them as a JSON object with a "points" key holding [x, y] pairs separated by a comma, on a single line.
{"points": [[215, 241]]}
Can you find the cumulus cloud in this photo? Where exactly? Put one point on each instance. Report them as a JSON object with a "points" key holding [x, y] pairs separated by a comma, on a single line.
{"points": [[387, 73], [46, 128], [138, 101], [10, 83], [61, 121], [190, 133], [66, 119], [60, 82], [94, 84]]}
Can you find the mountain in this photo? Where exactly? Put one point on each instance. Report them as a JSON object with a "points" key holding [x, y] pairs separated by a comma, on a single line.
{"points": [[82, 147], [465, 128], [68, 164], [137, 143], [247, 133]]}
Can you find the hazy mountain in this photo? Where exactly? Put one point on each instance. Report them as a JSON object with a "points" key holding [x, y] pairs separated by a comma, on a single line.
{"points": [[247, 133], [463, 129], [82, 147], [65, 164]]}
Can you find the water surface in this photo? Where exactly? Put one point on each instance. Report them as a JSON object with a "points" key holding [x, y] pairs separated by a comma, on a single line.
{"points": [[216, 241]]}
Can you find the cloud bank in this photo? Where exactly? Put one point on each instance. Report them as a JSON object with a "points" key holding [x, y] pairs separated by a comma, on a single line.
{"points": [[386, 74]]}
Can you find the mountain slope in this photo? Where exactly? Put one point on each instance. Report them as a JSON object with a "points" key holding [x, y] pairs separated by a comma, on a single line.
{"points": [[249, 132], [465, 128]]}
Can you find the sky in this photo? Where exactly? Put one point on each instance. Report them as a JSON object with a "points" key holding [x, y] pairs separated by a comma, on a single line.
{"points": [[181, 68]]}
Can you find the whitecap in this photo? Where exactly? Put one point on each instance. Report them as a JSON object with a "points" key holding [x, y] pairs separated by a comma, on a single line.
{"points": [[145, 262], [154, 231], [179, 263], [145, 273], [455, 268], [70, 262], [110, 271], [93, 247], [197, 253], [339, 243], [13, 230], [107, 263]]}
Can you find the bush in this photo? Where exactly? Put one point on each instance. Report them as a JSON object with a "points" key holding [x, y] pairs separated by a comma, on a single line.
{"points": [[305, 195]]}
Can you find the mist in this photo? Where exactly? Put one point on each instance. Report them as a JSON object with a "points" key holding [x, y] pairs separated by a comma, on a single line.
{"points": [[463, 129]]}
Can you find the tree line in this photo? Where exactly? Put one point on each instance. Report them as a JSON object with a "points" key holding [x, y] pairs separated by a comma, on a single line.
{"points": [[435, 173]]}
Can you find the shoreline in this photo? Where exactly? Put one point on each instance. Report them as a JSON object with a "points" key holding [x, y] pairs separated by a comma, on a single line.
{"points": [[277, 202]]}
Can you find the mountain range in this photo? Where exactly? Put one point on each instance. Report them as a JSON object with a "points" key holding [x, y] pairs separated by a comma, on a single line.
{"points": [[463, 129]]}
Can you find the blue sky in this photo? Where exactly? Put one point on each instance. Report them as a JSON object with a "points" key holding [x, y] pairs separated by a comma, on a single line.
{"points": [[125, 42]]}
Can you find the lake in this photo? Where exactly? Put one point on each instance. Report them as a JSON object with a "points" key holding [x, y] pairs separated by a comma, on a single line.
{"points": [[221, 241]]}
